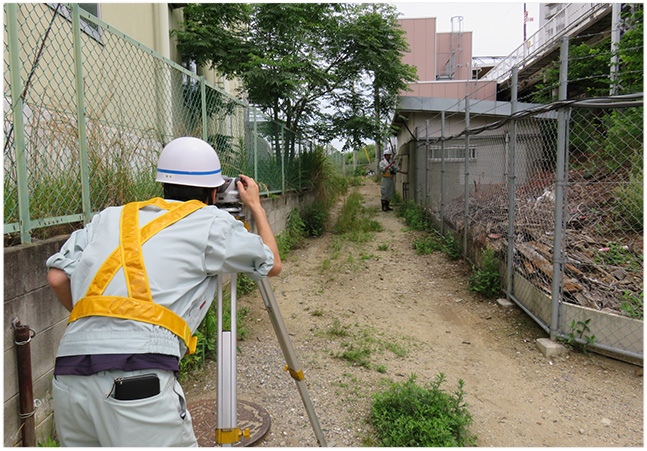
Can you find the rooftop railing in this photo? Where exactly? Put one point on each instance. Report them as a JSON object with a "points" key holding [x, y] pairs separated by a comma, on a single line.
{"points": [[565, 23]]}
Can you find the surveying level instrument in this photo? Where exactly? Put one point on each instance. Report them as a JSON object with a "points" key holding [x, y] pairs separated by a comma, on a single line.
{"points": [[227, 432], [228, 199]]}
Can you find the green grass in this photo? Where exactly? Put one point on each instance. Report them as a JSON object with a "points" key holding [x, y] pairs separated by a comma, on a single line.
{"points": [[355, 220], [294, 234], [359, 345], [417, 219], [413, 416]]}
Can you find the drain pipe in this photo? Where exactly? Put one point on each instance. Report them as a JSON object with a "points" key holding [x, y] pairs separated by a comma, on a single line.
{"points": [[22, 336]]}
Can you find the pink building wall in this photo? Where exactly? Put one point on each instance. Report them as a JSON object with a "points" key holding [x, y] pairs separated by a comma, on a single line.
{"points": [[421, 35], [458, 89], [462, 52], [429, 51]]}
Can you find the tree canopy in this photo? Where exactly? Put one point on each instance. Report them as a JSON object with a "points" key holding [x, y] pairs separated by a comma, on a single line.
{"points": [[330, 69]]}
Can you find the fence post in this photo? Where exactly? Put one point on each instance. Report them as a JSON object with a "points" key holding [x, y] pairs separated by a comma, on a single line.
{"points": [[299, 160], [255, 146], [467, 174], [559, 191], [24, 220], [283, 152], [616, 12], [203, 112], [442, 173], [512, 181], [80, 112], [426, 164]]}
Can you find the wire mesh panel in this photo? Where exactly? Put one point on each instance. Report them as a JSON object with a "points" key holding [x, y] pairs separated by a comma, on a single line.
{"points": [[603, 220], [488, 200], [454, 159], [98, 109], [127, 115], [534, 215], [47, 83]]}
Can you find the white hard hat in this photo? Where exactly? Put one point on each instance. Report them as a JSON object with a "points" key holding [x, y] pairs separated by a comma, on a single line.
{"points": [[387, 152], [191, 162]]}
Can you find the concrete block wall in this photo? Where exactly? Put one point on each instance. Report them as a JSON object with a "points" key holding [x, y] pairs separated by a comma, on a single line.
{"points": [[28, 298]]}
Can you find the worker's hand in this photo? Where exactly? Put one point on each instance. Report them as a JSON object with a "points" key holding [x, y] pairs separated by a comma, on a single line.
{"points": [[249, 192]]}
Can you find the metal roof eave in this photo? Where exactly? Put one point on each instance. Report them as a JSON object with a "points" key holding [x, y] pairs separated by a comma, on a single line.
{"points": [[412, 104]]}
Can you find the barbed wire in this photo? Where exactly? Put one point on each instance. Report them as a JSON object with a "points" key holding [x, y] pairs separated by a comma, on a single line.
{"points": [[617, 101]]}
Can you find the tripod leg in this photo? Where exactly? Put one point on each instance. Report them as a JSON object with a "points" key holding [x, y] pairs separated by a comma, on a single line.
{"points": [[226, 431], [290, 356]]}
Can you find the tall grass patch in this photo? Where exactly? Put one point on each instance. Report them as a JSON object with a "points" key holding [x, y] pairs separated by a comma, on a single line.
{"points": [[355, 220]]}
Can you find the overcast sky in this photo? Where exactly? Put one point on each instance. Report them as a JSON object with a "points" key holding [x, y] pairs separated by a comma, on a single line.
{"points": [[497, 27]]}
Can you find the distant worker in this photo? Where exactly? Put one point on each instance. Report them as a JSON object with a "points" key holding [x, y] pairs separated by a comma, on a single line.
{"points": [[138, 281], [388, 169]]}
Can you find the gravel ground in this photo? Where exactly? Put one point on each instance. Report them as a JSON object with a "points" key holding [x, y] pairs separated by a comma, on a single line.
{"points": [[517, 397]]}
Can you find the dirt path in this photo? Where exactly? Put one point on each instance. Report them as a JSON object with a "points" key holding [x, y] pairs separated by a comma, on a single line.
{"points": [[396, 301]]}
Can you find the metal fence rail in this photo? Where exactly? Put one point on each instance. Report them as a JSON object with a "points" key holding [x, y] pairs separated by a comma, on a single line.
{"points": [[87, 111], [557, 192]]}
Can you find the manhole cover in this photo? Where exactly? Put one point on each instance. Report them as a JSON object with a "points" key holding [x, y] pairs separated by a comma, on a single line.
{"points": [[249, 416]]}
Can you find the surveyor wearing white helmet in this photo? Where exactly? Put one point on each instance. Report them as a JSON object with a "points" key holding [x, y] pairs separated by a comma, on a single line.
{"points": [[138, 280], [388, 169]]}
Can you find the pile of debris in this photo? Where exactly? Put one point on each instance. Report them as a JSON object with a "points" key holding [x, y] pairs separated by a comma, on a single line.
{"points": [[603, 263]]}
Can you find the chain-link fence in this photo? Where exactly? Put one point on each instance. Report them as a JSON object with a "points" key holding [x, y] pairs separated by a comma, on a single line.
{"points": [[87, 110], [556, 191]]}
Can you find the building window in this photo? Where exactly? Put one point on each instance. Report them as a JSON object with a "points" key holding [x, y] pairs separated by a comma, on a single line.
{"points": [[452, 153], [88, 27]]}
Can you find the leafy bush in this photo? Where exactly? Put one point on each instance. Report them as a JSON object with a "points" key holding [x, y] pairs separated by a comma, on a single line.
{"points": [[410, 415], [486, 278], [414, 216], [293, 235], [629, 197], [452, 248], [427, 245], [314, 218]]}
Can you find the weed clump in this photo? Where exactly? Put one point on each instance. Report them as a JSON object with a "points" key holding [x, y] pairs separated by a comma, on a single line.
{"points": [[486, 278], [410, 415]]}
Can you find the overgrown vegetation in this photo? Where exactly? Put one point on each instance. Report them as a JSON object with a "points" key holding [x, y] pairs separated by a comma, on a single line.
{"points": [[417, 219], [355, 220], [631, 304], [293, 235], [408, 415], [486, 279], [607, 141]]}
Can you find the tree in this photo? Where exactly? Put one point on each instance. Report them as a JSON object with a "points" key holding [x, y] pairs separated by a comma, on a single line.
{"points": [[365, 104], [293, 57]]}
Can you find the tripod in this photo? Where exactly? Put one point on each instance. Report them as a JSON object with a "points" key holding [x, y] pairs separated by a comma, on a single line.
{"points": [[227, 432]]}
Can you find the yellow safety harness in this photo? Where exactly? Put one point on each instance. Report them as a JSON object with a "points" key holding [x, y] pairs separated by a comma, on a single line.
{"points": [[387, 174], [139, 304]]}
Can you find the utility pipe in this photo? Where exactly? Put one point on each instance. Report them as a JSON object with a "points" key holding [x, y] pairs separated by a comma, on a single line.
{"points": [[22, 336]]}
